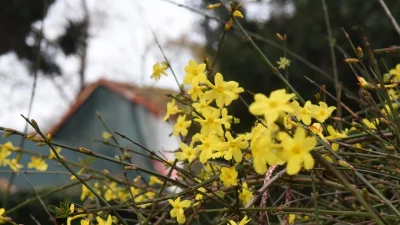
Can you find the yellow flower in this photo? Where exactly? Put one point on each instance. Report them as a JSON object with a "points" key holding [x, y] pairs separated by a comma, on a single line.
{"points": [[3, 219], [171, 109], [233, 147], [178, 209], [296, 151], [38, 163], [263, 149], [201, 106], [181, 126], [302, 113], [369, 124], [188, 152], [13, 163], [106, 136], [291, 218], [72, 209], [86, 193], [322, 112], [246, 195], [229, 176], [4, 153], [395, 73], [211, 122], [100, 221], [224, 92], [283, 63], [85, 222], [242, 222], [237, 13], [52, 155], [200, 196], [154, 180], [9, 146], [195, 74], [158, 69], [273, 106], [209, 143], [334, 134], [196, 91]]}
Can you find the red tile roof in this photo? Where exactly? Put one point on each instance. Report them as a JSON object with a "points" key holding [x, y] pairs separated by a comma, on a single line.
{"points": [[151, 98]]}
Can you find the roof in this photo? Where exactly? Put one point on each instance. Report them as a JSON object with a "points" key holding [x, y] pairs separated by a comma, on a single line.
{"points": [[151, 98]]}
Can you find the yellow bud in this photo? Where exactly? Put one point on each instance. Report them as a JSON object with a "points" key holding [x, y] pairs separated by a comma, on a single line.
{"points": [[364, 84], [41, 144], [84, 150], [237, 13], [106, 172], [228, 25], [48, 137], [351, 60], [345, 164], [360, 52], [213, 6]]}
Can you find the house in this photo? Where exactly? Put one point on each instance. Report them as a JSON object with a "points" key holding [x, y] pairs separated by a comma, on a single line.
{"points": [[131, 110]]}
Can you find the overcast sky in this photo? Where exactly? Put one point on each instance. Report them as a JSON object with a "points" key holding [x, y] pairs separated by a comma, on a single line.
{"points": [[121, 48]]}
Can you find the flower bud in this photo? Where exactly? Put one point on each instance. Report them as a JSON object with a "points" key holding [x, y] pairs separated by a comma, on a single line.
{"points": [[360, 52]]}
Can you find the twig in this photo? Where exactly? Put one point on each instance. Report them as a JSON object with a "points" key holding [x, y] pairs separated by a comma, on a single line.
{"points": [[389, 14]]}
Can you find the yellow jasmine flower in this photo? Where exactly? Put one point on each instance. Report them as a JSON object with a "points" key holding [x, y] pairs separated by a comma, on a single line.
{"points": [[291, 218], [158, 69], [178, 209], [195, 74], [154, 180], [283, 63], [395, 73], [106, 136], [222, 91], [86, 193], [369, 124], [38, 163], [334, 134], [302, 113], [72, 209], [171, 109], [296, 151], [100, 221], [209, 143], [188, 152], [9, 146], [211, 122], [201, 106], [196, 92], [181, 126], [4, 153], [321, 112], [264, 152], [237, 13], [273, 106], [246, 195], [13, 164], [393, 94], [3, 219], [200, 196], [52, 155], [85, 222], [233, 147], [229, 176], [242, 222]]}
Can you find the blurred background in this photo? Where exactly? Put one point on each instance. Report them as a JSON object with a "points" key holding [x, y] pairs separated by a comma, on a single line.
{"points": [[80, 48]]}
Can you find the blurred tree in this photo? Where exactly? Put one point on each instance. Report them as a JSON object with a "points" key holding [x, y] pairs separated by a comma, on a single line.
{"points": [[303, 22], [16, 20]]}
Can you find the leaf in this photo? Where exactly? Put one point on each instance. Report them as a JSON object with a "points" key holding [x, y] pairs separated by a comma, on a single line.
{"points": [[52, 209]]}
